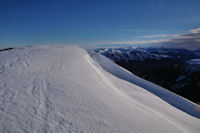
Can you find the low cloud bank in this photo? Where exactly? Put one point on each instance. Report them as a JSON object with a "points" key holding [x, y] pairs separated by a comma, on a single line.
{"points": [[190, 40]]}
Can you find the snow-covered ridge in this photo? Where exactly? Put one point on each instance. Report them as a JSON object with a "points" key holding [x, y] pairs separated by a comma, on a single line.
{"points": [[170, 97], [62, 89]]}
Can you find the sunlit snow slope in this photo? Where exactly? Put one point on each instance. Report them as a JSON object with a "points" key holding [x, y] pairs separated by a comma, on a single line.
{"points": [[168, 96], [62, 89]]}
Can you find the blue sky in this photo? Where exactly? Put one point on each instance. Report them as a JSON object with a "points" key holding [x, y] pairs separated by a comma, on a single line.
{"points": [[90, 23]]}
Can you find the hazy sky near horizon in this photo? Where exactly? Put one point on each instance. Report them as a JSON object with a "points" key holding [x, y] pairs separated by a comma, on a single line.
{"points": [[90, 23]]}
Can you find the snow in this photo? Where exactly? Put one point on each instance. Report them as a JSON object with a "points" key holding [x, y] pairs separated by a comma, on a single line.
{"points": [[62, 89], [133, 53], [194, 61], [171, 98]]}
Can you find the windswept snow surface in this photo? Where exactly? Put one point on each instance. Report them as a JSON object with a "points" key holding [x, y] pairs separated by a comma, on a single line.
{"points": [[170, 97], [62, 89]]}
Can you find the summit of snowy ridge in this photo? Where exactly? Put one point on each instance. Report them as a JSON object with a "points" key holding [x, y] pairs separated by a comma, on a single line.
{"points": [[58, 89]]}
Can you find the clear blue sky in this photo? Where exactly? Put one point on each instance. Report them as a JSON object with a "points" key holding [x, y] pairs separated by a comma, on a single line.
{"points": [[94, 22]]}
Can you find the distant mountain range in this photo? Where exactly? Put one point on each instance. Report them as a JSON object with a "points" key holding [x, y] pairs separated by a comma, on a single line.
{"points": [[175, 69]]}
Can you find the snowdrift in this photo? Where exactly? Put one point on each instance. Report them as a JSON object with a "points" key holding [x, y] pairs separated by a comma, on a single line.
{"points": [[62, 89], [168, 96]]}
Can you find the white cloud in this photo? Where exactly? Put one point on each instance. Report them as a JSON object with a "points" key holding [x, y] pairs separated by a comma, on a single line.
{"points": [[136, 42], [154, 36], [197, 30], [197, 40], [190, 40], [141, 30]]}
